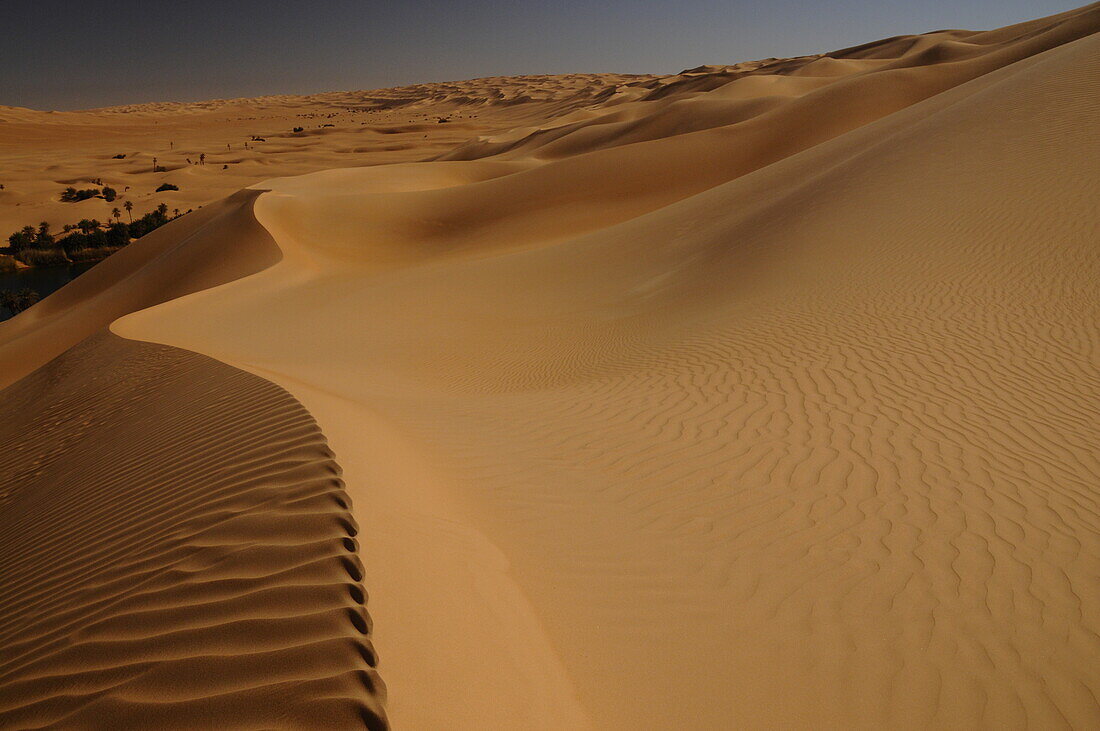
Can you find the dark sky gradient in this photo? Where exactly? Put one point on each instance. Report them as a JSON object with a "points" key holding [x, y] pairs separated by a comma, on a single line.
{"points": [[69, 54]]}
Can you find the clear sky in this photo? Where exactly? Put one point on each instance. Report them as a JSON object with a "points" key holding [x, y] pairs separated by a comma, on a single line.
{"points": [[75, 54]]}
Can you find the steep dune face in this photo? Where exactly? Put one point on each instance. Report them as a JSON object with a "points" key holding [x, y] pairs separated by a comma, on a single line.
{"points": [[763, 396], [219, 244], [177, 551]]}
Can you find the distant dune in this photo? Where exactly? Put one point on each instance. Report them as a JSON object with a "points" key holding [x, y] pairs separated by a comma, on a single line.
{"points": [[42, 153], [757, 396]]}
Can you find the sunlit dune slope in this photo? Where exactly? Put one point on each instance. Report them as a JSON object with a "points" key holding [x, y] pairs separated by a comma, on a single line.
{"points": [[780, 106], [764, 396]]}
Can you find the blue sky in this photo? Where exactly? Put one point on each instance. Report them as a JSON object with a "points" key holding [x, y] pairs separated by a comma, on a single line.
{"points": [[68, 54]]}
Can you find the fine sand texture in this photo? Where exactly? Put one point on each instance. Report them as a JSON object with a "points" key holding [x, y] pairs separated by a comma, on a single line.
{"points": [[177, 551], [756, 396]]}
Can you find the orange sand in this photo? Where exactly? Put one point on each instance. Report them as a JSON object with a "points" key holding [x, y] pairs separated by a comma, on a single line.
{"points": [[761, 396]]}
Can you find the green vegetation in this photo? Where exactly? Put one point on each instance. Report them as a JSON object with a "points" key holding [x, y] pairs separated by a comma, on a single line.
{"points": [[72, 195], [87, 240], [43, 257], [166, 186]]}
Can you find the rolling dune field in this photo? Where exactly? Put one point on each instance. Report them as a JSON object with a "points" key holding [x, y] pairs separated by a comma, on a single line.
{"points": [[755, 396]]}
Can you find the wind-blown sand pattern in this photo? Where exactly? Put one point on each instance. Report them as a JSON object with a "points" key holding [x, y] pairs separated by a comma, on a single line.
{"points": [[177, 552], [761, 396]]}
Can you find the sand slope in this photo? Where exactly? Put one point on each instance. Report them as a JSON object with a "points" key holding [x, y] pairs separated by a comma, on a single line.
{"points": [[759, 396], [42, 153], [184, 256], [177, 552]]}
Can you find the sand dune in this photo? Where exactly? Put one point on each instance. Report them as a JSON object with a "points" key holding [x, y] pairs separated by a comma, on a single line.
{"points": [[177, 551], [42, 153], [758, 396]]}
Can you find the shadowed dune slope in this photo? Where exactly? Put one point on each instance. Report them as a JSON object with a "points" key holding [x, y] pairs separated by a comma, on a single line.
{"points": [[218, 244], [177, 551]]}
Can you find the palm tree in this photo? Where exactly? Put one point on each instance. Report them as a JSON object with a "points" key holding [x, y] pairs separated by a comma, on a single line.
{"points": [[175, 213], [44, 239], [154, 164], [116, 213], [129, 206]]}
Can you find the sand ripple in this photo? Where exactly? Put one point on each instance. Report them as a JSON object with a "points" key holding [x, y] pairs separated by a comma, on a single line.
{"points": [[177, 551]]}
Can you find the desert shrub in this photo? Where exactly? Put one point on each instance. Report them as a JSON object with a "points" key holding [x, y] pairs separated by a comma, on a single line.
{"points": [[91, 236], [75, 241], [109, 194], [72, 195], [299, 129], [149, 222], [119, 156], [117, 234], [166, 186], [42, 257], [83, 255], [96, 238]]}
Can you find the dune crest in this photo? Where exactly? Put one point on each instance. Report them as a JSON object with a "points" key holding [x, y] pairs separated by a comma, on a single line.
{"points": [[759, 396], [177, 551]]}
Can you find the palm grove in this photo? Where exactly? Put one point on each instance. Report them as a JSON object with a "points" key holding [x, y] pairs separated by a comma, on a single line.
{"points": [[86, 240]]}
